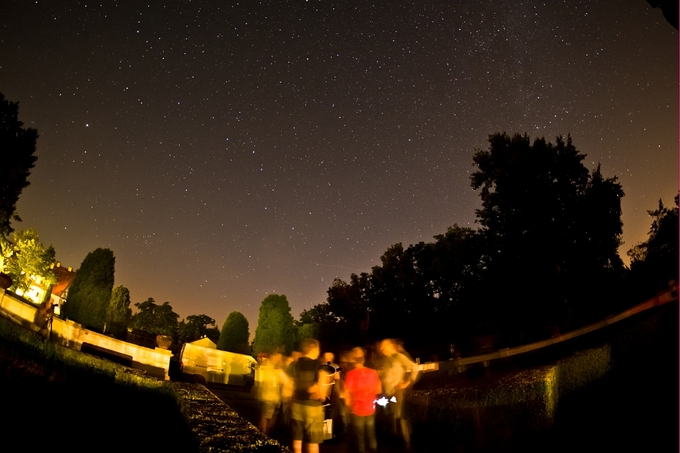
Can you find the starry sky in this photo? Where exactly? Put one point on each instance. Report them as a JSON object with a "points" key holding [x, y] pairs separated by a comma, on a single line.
{"points": [[227, 150]]}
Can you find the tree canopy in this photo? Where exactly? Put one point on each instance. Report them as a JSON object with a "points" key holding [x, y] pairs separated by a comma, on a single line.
{"points": [[90, 292], [551, 227], [545, 254], [654, 262], [275, 326], [235, 334], [18, 146], [195, 327], [155, 319], [118, 312], [28, 261]]}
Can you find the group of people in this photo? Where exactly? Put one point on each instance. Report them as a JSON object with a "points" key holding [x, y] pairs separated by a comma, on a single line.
{"points": [[302, 389]]}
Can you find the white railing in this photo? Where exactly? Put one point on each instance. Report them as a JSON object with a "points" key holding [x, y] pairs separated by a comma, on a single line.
{"points": [[156, 362]]}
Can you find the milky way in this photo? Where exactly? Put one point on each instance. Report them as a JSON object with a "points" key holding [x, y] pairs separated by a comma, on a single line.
{"points": [[225, 151]]}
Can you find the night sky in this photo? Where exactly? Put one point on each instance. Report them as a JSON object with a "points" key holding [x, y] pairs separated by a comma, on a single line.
{"points": [[229, 150]]}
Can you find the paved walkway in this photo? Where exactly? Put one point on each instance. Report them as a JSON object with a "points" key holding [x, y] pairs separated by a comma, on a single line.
{"points": [[247, 406], [633, 408]]}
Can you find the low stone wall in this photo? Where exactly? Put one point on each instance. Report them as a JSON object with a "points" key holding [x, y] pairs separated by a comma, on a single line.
{"points": [[155, 362], [522, 402], [520, 406]]}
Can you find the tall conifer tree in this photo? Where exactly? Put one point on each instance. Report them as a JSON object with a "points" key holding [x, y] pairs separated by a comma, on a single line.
{"points": [[235, 334], [275, 326], [90, 293]]}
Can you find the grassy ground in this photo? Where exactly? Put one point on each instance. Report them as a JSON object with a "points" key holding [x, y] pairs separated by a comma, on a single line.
{"points": [[55, 397]]}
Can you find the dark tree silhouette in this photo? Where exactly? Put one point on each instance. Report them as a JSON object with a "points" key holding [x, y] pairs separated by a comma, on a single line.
{"points": [[419, 294], [654, 262], [552, 231], [17, 158], [546, 255], [320, 323], [155, 319], [89, 295], [195, 327], [455, 266], [669, 8], [347, 304]]}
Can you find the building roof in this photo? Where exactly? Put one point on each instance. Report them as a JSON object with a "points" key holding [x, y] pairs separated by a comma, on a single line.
{"points": [[205, 342], [64, 278]]}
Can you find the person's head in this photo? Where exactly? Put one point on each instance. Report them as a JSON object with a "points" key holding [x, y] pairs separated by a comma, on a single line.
{"points": [[276, 359], [293, 357], [310, 348], [358, 356], [328, 357], [388, 347]]}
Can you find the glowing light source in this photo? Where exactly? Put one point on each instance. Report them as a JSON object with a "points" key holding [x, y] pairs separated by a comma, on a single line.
{"points": [[382, 401]]}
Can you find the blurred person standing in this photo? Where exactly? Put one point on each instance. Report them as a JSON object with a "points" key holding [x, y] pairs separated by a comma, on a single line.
{"points": [[287, 390], [398, 374], [307, 416], [333, 402], [362, 386], [270, 387], [346, 364]]}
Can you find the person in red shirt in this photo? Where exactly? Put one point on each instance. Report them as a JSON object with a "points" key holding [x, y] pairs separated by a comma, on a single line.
{"points": [[362, 386]]}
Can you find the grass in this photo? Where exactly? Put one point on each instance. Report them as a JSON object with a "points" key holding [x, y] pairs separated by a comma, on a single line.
{"points": [[55, 396]]}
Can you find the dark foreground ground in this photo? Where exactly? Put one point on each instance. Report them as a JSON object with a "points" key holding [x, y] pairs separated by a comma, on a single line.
{"points": [[247, 407], [633, 408], [89, 416]]}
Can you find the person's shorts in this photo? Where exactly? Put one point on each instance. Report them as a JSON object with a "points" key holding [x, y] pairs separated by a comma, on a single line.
{"points": [[307, 423], [268, 409]]}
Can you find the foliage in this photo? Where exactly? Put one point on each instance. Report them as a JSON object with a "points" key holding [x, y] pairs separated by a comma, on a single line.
{"points": [[420, 294], [155, 319], [167, 320], [304, 331], [275, 327], [6, 252], [345, 313], [235, 334], [196, 327], [29, 262], [546, 254], [654, 262], [90, 292], [118, 312], [18, 148], [145, 319], [552, 230]]}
